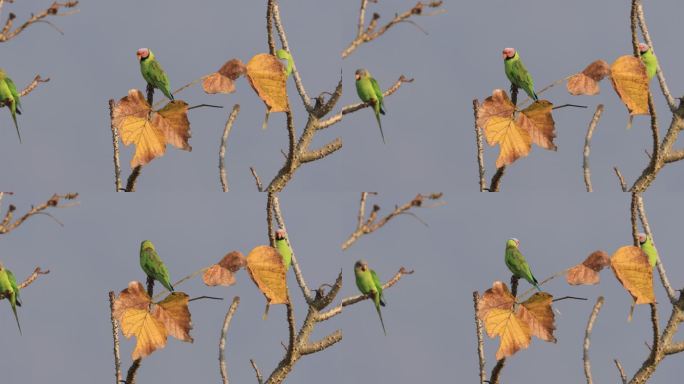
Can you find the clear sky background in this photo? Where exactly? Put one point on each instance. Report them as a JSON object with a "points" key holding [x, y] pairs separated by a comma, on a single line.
{"points": [[67, 147]]}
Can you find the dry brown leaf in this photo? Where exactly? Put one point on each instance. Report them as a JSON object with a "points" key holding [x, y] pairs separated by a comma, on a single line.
{"points": [[265, 267], [496, 105], [131, 310], [538, 122], [222, 273], [149, 331], [131, 118], [217, 83], [233, 261], [538, 314], [631, 267], [173, 312], [581, 84], [233, 69], [266, 75], [514, 141], [173, 121], [133, 297], [217, 275], [587, 273], [223, 80], [597, 70], [495, 309], [630, 81]]}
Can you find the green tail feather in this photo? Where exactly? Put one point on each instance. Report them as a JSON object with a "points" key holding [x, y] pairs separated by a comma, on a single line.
{"points": [[377, 307], [14, 118], [16, 317], [382, 134]]}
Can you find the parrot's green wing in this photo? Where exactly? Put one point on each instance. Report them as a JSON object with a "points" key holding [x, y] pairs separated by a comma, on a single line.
{"points": [[15, 286], [11, 294], [515, 261], [285, 251], [155, 75], [13, 90], [155, 268], [522, 78], [7, 96], [378, 94], [651, 62], [650, 251], [378, 287]]}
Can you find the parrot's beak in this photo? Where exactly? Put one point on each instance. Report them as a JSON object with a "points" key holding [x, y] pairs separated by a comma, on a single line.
{"points": [[504, 55]]}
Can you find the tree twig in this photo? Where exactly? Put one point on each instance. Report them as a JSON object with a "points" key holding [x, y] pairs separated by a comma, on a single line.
{"points": [[8, 33], [115, 336], [371, 32], [621, 179], [222, 340], [115, 144], [260, 379], [587, 339], [480, 149], [587, 146], [621, 371], [222, 149], [8, 225], [372, 224], [480, 342]]}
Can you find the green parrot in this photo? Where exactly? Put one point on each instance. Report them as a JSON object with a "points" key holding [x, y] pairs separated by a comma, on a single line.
{"points": [[369, 284], [369, 92], [153, 266], [153, 73], [283, 247], [517, 73], [516, 262], [649, 249], [650, 60], [285, 55], [10, 96], [9, 287]]}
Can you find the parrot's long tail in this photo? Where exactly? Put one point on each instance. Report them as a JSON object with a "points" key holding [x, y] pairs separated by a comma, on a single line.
{"points": [[535, 283], [382, 134], [168, 286], [14, 118], [377, 307], [16, 317]]}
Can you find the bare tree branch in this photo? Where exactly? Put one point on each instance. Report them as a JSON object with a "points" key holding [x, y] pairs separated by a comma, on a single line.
{"points": [[621, 370], [222, 341], [587, 338], [480, 149], [29, 280], [222, 149], [480, 341], [587, 146], [372, 224], [115, 144], [115, 336], [8, 33], [371, 32], [8, 225]]}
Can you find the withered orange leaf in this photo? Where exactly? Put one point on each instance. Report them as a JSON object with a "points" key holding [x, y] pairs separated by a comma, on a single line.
{"points": [[587, 273], [495, 309], [267, 76], [496, 105], [631, 267], [538, 314], [233, 69], [173, 121], [173, 312], [222, 273], [538, 122], [630, 81], [217, 83], [266, 268]]}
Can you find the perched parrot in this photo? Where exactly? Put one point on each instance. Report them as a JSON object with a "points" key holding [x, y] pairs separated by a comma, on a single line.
{"points": [[516, 262], [648, 248], [517, 73], [10, 96], [9, 287], [283, 247], [650, 60], [153, 73], [369, 284], [153, 266], [369, 92], [285, 55]]}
